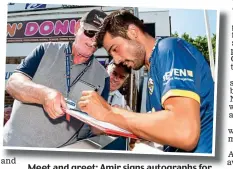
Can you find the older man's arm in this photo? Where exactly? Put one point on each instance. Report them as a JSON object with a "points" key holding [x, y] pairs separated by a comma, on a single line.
{"points": [[23, 89]]}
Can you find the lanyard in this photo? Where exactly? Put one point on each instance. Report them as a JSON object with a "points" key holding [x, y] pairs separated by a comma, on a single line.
{"points": [[111, 99], [68, 56], [68, 53]]}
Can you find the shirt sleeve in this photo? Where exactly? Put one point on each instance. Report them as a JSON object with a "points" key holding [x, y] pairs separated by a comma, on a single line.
{"points": [[179, 71], [105, 92], [30, 64]]}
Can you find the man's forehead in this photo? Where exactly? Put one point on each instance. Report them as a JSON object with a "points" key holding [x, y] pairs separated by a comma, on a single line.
{"points": [[107, 39]]}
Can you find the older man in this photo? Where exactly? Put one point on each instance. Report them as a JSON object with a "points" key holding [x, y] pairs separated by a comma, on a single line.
{"points": [[118, 74], [40, 84]]}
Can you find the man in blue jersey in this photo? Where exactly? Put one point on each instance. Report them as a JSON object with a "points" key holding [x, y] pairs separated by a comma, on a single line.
{"points": [[180, 95]]}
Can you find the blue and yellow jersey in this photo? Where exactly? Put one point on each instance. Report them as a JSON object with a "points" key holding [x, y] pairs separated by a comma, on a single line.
{"points": [[177, 68]]}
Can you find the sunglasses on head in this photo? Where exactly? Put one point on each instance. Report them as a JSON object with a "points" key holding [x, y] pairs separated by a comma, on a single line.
{"points": [[89, 33]]}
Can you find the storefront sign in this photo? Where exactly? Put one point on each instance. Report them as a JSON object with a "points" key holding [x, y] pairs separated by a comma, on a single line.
{"points": [[41, 30]]}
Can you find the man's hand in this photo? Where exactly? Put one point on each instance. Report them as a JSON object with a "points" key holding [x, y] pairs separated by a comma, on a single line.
{"points": [[93, 104], [54, 103], [25, 90]]}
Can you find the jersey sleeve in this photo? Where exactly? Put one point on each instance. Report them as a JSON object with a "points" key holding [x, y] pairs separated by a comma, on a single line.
{"points": [[30, 64], [179, 70]]}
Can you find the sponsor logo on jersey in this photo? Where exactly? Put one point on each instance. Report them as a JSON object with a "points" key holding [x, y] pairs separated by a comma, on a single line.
{"points": [[151, 86], [178, 74], [153, 110]]}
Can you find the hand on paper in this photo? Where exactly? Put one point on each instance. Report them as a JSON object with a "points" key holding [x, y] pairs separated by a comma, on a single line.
{"points": [[54, 103], [93, 104]]}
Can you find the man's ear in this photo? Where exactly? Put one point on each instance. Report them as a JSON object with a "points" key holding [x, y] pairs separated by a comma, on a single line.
{"points": [[77, 26], [133, 32]]}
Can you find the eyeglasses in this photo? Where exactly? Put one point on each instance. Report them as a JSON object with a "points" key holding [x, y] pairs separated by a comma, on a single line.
{"points": [[89, 33]]}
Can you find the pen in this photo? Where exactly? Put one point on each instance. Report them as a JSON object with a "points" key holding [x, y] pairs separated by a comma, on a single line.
{"points": [[97, 88]]}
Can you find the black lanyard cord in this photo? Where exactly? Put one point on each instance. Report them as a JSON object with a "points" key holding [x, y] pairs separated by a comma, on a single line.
{"points": [[81, 74], [68, 53], [111, 99], [68, 56], [72, 137]]}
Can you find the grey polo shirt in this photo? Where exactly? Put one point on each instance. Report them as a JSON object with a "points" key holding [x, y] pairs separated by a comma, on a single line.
{"points": [[29, 125]]}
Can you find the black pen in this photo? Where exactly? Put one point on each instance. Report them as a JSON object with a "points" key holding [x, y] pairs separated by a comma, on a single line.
{"points": [[97, 88]]}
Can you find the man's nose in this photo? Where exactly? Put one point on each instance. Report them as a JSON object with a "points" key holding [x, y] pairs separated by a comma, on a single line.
{"points": [[93, 41], [116, 78], [117, 59]]}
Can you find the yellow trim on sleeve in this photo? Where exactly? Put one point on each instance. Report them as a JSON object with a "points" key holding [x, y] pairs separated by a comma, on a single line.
{"points": [[184, 93]]}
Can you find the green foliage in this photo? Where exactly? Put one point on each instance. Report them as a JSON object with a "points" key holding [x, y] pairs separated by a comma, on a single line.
{"points": [[200, 42]]}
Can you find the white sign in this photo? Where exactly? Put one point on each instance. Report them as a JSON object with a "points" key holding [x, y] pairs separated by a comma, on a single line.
{"points": [[30, 6], [12, 7]]}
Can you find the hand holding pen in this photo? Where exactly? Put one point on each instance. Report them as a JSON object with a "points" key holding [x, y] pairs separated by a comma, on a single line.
{"points": [[73, 104], [93, 104]]}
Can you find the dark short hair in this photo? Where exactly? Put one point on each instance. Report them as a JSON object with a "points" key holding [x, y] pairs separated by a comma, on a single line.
{"points": [[126, 69], [117, 25]]}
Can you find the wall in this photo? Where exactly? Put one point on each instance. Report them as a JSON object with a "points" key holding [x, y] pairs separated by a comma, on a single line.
{"points": [[161, 20]]}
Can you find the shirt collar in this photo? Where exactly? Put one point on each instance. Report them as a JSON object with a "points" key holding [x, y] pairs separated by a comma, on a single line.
{"points": [[115, 93], [153, 50]]}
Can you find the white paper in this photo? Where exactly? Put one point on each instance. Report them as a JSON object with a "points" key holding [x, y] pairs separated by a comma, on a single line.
{"points": [[85, 117]]}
